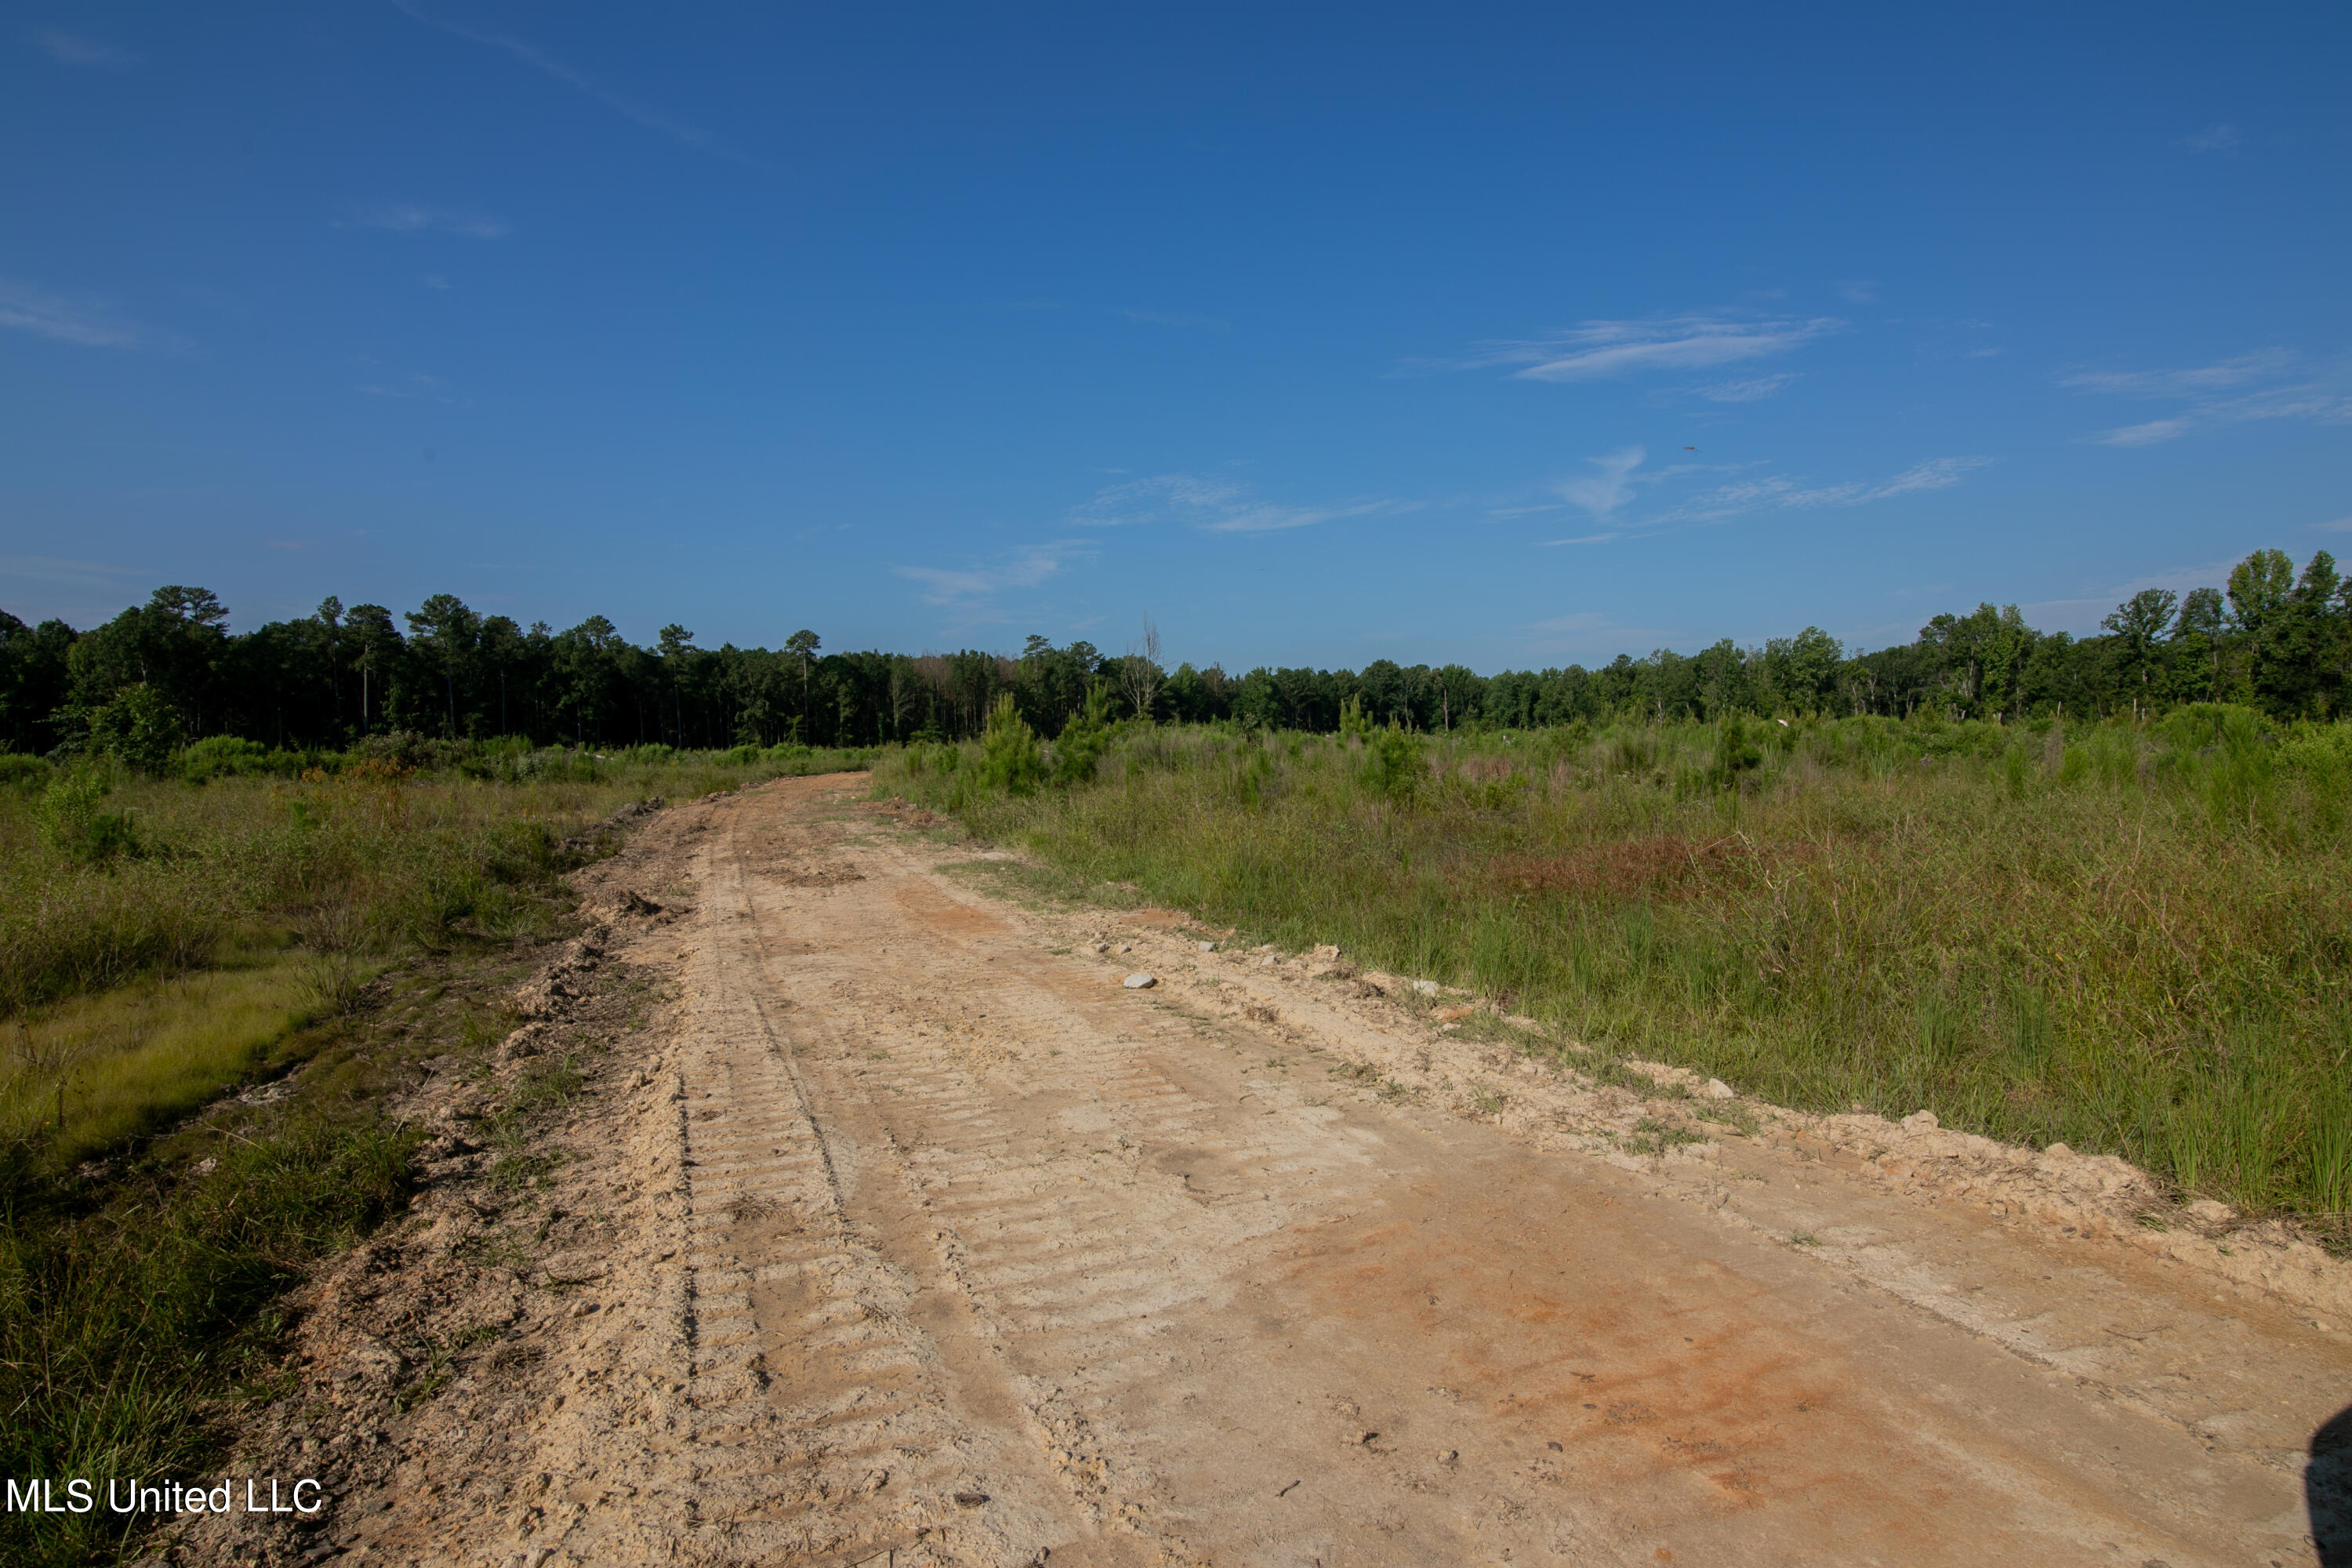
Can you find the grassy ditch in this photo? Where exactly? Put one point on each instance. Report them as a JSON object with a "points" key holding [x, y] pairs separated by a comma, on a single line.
{"points": [[2130, 939], [167, 941]]}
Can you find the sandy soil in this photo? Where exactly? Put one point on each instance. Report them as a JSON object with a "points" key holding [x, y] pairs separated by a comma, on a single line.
{"points": [[893, 1228]]}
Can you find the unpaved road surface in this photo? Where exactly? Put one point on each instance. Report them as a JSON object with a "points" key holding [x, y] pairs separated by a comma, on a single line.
{"points": [[918, 1238]]}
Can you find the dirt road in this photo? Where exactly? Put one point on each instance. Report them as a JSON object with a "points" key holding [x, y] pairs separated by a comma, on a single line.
{"points": [[919, 1238]]}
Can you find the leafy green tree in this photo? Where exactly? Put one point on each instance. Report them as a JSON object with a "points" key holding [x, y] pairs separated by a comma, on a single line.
{"points": [[171, 643], [35, 678], [2260, 586], [803, 645], [446, 633], [1457, 689], [2138, 626], [2298, 666], [1980, 654], [377, 651], [330, 617], [137, 729], [1804, 670], [504, 652]]}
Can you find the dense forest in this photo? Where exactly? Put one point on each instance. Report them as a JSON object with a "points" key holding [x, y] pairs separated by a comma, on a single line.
{"points": [[170, 672]]}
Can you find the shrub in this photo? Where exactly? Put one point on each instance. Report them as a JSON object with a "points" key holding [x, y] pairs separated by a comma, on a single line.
{"points": [[1084, 739], [217, 756], [76, 827], [1392, 763], [1735, 752], [2150, 961], [1009, 756], [138, 729]]}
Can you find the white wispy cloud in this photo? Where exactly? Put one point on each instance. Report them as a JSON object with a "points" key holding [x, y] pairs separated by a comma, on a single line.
{"points": [[1215, 506], [1859, 290], [415, 217], [2341, 525], [1595, 351], [26, 308], [2218, 376], [1609, 490], [1192, 319], [414, 386], [1780, 492], [2148, 433], [539, 59], [2213, 139], [1748, 391], [966, 586], [2228, 392], [1581, 539], [73, 49]]}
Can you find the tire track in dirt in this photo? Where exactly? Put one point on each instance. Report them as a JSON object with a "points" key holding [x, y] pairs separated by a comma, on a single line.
{"points": [[1138, 1277], [905, 1236]]}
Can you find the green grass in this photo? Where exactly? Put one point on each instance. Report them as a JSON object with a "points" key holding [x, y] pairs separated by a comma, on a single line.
{"points": [[164, 943], [94, 1073], [2132, 940], [106, 876], [124, 1326]]}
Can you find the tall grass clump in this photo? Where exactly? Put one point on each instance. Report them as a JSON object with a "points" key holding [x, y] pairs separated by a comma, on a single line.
{"points": [[169, 930], [2129, 938], [122, 1325], [292, 878]]}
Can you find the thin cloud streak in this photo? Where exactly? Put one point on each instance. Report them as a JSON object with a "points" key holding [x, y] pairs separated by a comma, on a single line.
{"points": [[1213, 506], [1748, 391], [2213, 139], [25, 308], [1599, 350], [964, 587], [72, 49], [2316, 400], [2215, 377], [415, 217], [539, 59], [1177, 319], [1779, 492]]}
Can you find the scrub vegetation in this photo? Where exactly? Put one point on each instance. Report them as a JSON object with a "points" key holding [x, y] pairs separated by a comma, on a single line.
{"points": [[2132, 936], [214, 974], [2053, 889]]}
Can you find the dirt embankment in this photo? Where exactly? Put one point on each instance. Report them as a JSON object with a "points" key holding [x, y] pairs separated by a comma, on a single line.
{"points": [[873, 1219]]}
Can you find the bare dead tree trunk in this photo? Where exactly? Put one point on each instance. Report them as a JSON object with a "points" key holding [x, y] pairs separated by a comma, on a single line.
{"points": [[1139, 673]]}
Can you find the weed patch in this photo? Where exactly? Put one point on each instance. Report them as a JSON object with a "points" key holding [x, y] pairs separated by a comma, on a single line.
{"points": [[2126, 937]]}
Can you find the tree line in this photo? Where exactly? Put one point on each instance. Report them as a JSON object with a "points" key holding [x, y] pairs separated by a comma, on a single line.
{"points": [[2270, 637]]}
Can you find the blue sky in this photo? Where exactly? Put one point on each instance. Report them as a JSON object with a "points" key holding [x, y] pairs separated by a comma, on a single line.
{"points": [[1317, 334]]}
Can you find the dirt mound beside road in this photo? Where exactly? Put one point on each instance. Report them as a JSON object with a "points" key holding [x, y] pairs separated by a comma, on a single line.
{"points": [[889, 1226]]}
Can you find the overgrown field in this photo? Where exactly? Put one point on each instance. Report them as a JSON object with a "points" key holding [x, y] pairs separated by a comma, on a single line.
{"points": [[2129, 938], [166, 940]]}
